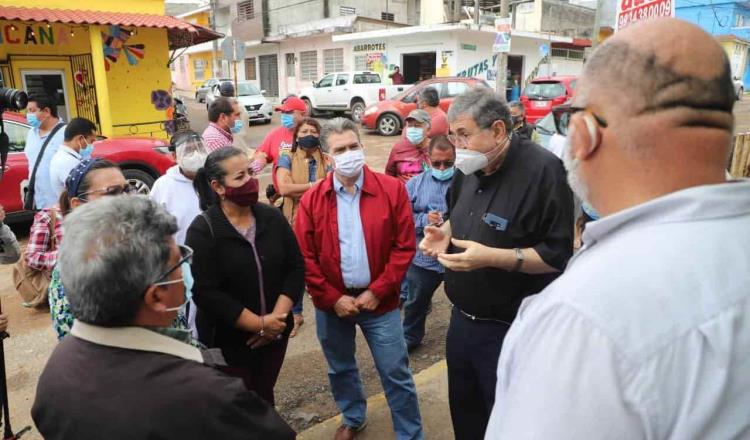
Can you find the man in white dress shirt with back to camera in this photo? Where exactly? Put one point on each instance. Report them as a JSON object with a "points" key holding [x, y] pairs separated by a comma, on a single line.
{"points": [[647, 333]]}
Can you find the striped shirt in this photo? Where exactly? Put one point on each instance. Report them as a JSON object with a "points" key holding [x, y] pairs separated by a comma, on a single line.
{"points": [[426, 194], [215, 137]]}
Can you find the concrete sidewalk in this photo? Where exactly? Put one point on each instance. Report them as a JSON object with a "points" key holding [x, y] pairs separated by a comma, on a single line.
{"points": [[432, 388]]}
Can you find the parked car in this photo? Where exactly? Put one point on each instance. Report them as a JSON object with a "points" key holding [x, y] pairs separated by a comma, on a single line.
{"points": [[739, 87], [348, 92], [546, 92], [387, 117], [207, 87], [257, 106], [142, 161]]}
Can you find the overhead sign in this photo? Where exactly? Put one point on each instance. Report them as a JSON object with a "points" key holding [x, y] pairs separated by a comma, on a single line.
{"points": [[634, 11], [543, 50], [371, 47], [502, 35], [468, 46], [232, 49]]}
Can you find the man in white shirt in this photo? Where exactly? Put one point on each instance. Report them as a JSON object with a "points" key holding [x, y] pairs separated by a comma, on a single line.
{"points": [[647, 333], [41, 114], [80, 134]]}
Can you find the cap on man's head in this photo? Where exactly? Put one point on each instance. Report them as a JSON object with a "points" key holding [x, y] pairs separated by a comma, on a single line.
{"points": [[291, 104], [419, 115]]}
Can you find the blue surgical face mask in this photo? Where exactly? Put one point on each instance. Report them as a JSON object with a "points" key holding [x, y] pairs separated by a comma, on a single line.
{"points": [[86, 151], [187, 280], [287, 120], [33, 120], [443, 175], [237, 126], [415, 135]]}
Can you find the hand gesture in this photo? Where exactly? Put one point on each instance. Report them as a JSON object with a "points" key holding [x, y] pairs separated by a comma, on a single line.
{"points": [[367, 301], [345, 307], [435, 241], [435, 218], [476, 256]]}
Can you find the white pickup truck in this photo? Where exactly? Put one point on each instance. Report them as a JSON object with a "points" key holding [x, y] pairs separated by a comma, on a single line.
{"points": [[348, 92]]}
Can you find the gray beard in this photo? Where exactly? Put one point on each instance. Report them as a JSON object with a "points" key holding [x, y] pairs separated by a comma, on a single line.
{"points": [[579, 188]]}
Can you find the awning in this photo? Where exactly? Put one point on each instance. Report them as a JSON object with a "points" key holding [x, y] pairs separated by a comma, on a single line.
{"points": [[181, 33]]}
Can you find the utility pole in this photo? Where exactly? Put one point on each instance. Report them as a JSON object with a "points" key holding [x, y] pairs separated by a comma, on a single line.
{"points": [[215, 44], [502, 58], [476, 12]]}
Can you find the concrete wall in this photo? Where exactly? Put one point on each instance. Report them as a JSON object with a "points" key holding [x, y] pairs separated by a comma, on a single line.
{"points": [[566, 19], [715, 17], [282, 12], [528, 16]]}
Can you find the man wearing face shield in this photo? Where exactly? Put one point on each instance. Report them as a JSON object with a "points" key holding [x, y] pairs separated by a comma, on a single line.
{"points": [[509, 235]]}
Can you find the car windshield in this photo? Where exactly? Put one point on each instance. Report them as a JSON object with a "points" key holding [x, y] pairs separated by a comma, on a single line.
{"points": [[546, 125], [247, 89], [544, 90], [366, 78]]}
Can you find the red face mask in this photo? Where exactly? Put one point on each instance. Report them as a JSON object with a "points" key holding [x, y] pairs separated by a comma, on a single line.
{"points": [[245, 195]]}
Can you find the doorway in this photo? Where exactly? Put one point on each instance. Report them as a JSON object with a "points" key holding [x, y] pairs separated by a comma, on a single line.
{"points": [[515, 78], [418, 66], [269, 74], [50, 83]]}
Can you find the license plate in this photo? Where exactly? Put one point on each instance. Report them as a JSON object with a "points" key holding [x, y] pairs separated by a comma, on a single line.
{"points": [[541, 104], [252, 114]]}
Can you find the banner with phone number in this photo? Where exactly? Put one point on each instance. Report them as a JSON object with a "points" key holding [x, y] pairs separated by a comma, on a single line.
{"points": [[633, 11]]}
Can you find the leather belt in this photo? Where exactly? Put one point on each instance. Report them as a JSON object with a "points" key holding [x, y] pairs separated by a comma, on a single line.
{"points": [[471, 317], [354, 291]]}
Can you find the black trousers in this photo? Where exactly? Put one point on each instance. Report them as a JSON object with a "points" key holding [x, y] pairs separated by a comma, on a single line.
{"points": [[472, 351]]}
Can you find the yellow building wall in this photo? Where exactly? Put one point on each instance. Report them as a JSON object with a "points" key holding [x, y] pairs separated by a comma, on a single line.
{"points": [[130, 87], [207, 58], [201, 18], [137, 6]]}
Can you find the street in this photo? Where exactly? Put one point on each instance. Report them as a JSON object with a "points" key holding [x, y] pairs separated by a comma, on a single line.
{"points": [[302, 393]]}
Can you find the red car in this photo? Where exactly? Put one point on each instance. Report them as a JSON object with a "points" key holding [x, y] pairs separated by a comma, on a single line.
{"points": [[387, 117], [142, 161], [546, 92]]}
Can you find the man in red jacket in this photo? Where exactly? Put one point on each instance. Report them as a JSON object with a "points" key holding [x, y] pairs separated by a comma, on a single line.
{"points": [[356, 233]]}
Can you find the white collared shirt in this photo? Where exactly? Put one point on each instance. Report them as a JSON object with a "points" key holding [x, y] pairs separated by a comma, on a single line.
{"points": [[63, 162], [647, 333]]}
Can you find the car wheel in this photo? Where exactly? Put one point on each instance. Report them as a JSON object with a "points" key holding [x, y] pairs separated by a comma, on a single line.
{"points": [[140, 180], [310, 109], [358, 108], [388, 124]]}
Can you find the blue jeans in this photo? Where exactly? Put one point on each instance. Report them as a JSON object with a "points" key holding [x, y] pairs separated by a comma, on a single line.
{"points": [[404, 293], [297, 308], [384, 336], [422, 285]]}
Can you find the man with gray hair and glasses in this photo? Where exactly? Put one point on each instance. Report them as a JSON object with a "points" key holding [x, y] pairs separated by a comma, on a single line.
{"points": [[647, 333], [123, 373], [509, 235]]}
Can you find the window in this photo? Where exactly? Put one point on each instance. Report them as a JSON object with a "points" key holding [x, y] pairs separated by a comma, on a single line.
{"points": [[308, 65], [199, 67], [575, 54], [333, 60], [17, 134], [290, 66], [250, 69], [559, 53], [740, 21], [342, 79], [544, 90], [366, 78], [246, 10], [360, 62], [327, 81], [347, 10], [387, 16], [455, 88]]}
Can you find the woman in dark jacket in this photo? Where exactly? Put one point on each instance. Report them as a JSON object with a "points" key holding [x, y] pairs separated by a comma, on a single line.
{"points": [[248, 271]]}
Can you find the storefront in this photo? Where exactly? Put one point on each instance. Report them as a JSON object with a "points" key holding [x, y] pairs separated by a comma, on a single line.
{"points": [[110, 68], [441, 50]]}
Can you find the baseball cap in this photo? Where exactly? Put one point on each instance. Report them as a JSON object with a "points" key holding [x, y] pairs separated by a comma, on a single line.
{"points": [[419, 116], [292, 103]]}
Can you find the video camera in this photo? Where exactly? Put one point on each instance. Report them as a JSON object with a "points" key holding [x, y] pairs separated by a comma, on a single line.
{"points": [[10, 99]]}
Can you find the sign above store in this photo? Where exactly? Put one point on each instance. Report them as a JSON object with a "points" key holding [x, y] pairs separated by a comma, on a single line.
{"points": [[35, 35], [370, 47], [633, 11], [468, 46]]}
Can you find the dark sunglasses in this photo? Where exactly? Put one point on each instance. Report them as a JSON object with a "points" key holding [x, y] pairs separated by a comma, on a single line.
{"points": [[445, 163], [186, 256], [563, 113], [114, 190]]}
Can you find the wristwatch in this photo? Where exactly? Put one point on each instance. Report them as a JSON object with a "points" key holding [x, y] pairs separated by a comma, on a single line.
{"points": [[519, 260]]}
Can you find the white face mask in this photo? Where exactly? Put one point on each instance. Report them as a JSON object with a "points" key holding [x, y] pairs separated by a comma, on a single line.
{"points": [[192, 162], [350, 163], [470, 161]]}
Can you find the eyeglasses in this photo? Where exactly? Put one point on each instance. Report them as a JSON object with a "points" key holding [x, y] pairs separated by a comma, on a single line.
{"points": [[445, 163], [186, 256], [460, 140], [563, 113], [114, 190]]}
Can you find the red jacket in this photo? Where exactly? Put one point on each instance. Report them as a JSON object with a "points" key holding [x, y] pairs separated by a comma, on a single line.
{"points": [[389, 235]]}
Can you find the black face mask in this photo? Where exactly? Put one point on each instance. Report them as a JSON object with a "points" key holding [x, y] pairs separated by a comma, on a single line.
{"points": [[308, 142], [517, 120]]}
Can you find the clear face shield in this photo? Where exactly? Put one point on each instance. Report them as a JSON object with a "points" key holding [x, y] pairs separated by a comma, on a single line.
{"points": [[191, 153]]}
